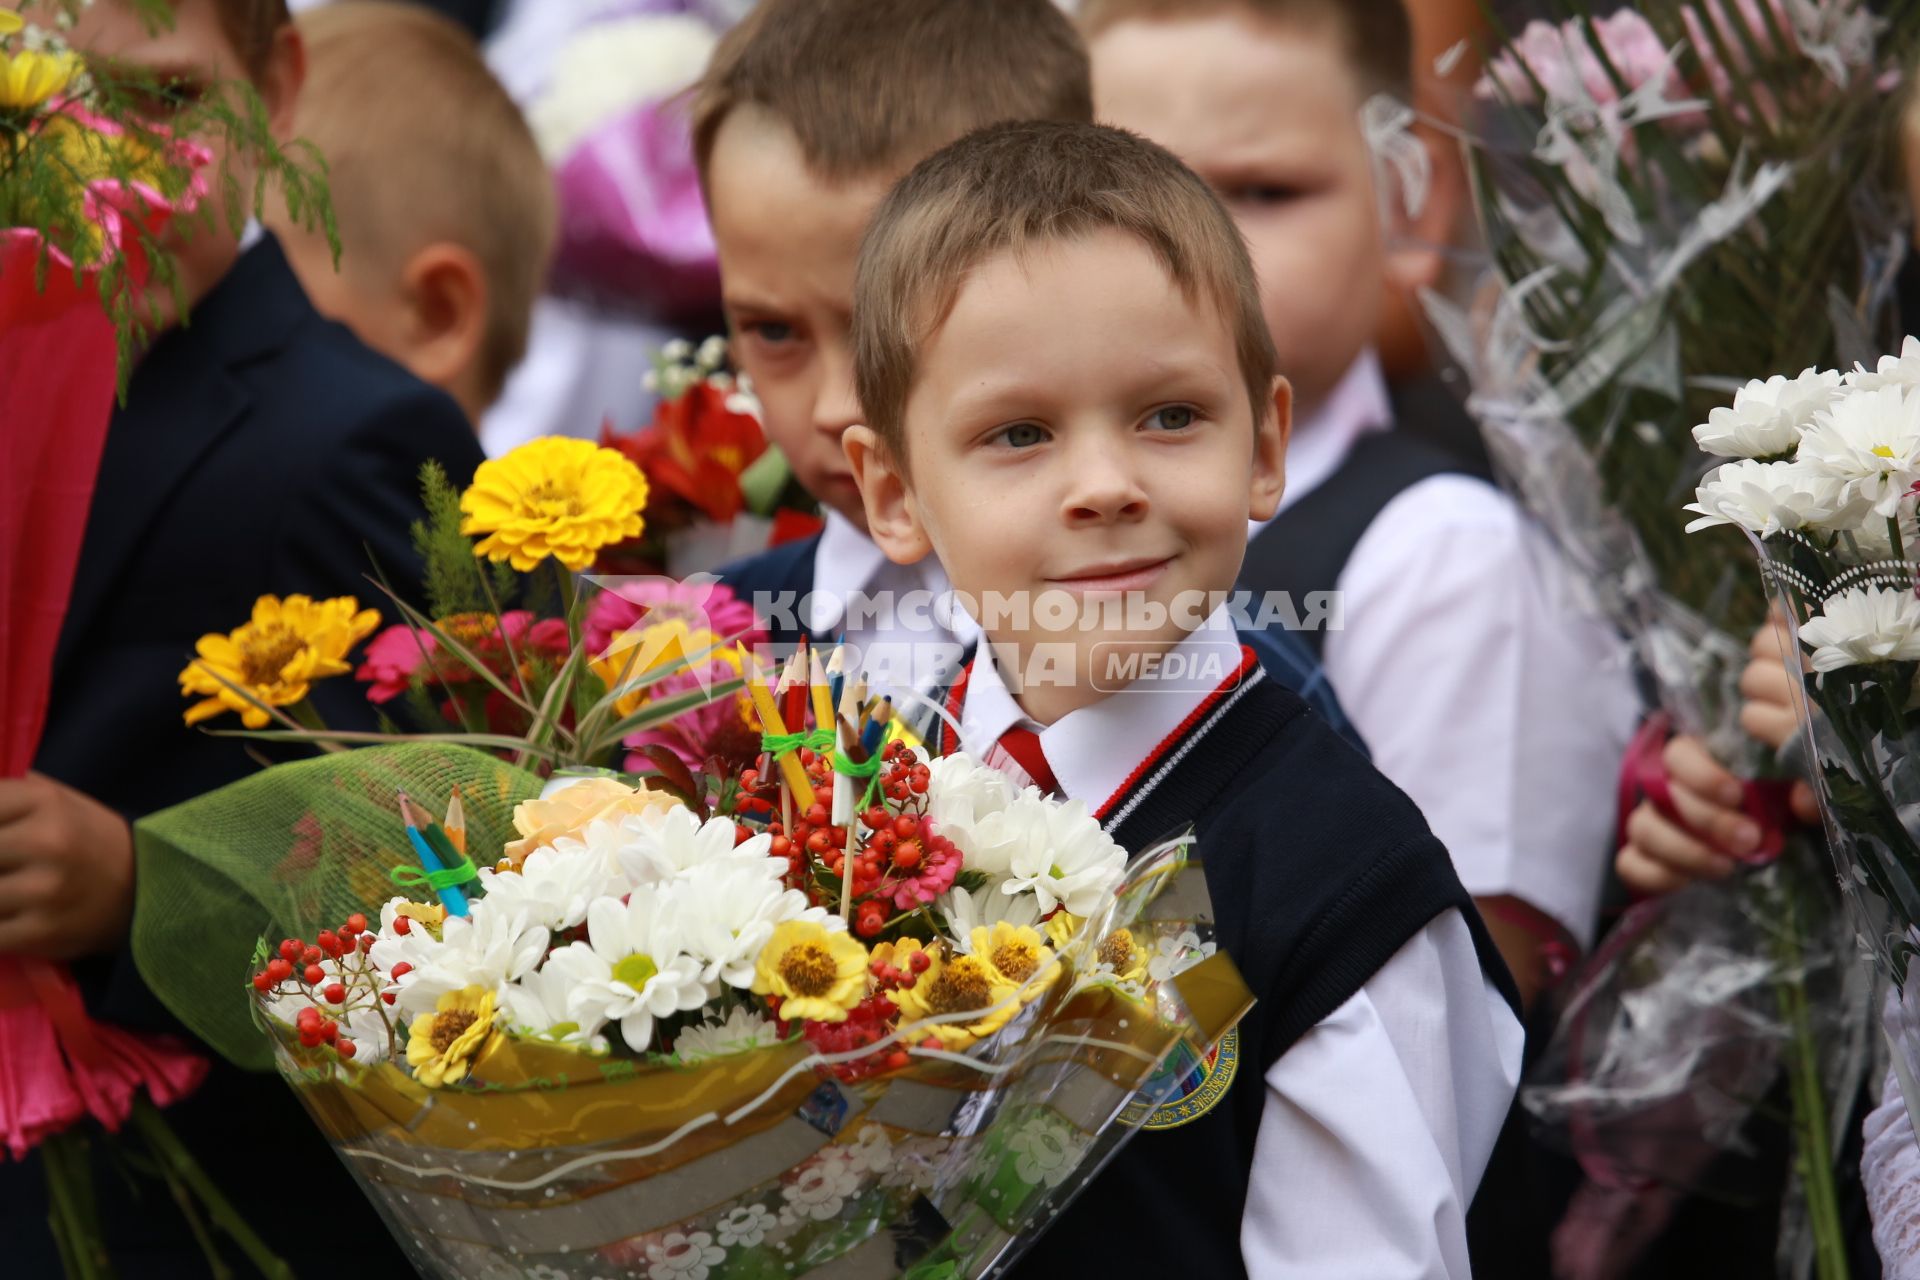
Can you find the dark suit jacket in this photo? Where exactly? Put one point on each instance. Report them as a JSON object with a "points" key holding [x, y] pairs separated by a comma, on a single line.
{"points": [[261, 449]]}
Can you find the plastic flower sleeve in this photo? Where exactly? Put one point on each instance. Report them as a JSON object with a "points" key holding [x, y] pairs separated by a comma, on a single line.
{"points": [[1862, 732], [550, 1162]]}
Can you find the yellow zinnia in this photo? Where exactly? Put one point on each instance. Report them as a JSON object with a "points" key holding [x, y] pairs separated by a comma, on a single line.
{"points": [[10, 22], [553, 497], [1121, 954], [1062, 925], [1017, 956], [817, 975], [442, 1045], [275, 656], [959, 984], [31, 76]]}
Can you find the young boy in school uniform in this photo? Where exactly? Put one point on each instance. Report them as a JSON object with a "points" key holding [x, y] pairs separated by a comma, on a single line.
{"points": [[1480, 686], [1070, 392], [808, 112], [444, 206], [260, 449]]}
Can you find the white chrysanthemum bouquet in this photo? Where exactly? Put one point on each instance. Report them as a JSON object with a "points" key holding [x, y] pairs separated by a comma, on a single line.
{"points": [[715, 1020], [1824, 477]]}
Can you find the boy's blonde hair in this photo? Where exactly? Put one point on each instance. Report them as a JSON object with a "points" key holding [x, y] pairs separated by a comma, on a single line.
{"points": [[423, 145], [868, 86], [1377, 35], [1012, 186]]}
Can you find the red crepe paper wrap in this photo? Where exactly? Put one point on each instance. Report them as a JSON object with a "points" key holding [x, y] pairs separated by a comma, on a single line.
{"points": [[58, 360]]}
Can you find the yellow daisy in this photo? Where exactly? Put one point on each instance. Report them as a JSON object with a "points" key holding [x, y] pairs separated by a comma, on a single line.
{"points": [[442, 1045], [31, 76], [10, 22], [275, 656], [957, 985], [1061, 926], [817, 975], [1120, 953], [553, 497], [1017, 956]]}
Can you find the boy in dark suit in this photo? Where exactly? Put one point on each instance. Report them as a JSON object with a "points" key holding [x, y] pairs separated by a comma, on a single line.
{"points": [[260, 449]]}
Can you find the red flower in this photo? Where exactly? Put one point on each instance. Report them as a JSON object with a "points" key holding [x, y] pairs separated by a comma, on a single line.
{"points": [[398, 656], [696, 450]]}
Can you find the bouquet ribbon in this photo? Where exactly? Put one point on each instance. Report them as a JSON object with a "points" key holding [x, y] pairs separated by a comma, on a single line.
{"points": [[1643, 773]]}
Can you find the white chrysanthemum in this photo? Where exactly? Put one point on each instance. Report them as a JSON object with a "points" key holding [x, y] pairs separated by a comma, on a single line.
{"points": [[1060, 855], [1768, 498], [967, 802], [1902, 370], [489, 947], [537, 1007], [742, 1029], [612, 67], [726, 910], [1863, 626], [1766, 418], [965, 911], [632, 967], [1869, 440], [391, 947], [555, 884], [662, 845]]}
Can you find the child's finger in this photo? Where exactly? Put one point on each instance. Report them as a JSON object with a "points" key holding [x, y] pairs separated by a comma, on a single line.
{"points": [[1768, 723], [1803, 803], [1728, 830], [1644, 875], [1690, 764], [1661, 841], [1766, 680]]}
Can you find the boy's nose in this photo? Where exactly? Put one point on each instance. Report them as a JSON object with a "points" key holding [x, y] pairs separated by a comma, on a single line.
{"points": [[1103, 489], [835, 406]]}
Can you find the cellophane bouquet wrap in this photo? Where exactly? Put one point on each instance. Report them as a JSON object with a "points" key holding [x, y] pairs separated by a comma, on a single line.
{"points": [[1827, 496], [1674, 198], [643, 1043]]}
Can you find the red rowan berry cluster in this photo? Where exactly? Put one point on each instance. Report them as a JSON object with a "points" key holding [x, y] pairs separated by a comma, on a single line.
{"points": [[334, 975]]}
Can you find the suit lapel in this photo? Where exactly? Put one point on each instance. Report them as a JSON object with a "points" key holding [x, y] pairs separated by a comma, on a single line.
{"points": [[181, 401]]}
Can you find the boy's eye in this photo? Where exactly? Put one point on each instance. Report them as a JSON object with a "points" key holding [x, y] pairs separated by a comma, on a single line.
{"points": [[1022, 435], [1175, 417], [771, 332], [1259, 195]]}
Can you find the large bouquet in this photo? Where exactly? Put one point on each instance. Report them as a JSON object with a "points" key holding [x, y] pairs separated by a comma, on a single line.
{"points": [[865, 1008], [1673, 197], [1826, 489]]}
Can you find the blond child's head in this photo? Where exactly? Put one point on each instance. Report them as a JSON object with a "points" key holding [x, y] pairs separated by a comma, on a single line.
{"points": [[445, 208], [195, 47], [808, 112], [1274, 126], [1071, 395]]}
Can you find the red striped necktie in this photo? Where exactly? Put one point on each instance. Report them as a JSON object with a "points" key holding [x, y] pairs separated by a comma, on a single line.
{"points": [[1023, 745]]}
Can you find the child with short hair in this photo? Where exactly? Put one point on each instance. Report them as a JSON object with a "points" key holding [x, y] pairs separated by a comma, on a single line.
{"points": [[444, 205], [808, 112], [1070, 392], [259, 449], [1482, 688]]}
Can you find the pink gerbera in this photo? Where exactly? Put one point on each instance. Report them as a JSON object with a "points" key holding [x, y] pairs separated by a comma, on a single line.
{"points": [[701, 602]]}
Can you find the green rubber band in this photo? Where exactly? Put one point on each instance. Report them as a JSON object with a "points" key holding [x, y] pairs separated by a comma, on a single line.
{"points": [[452, 877], [848, 769], [779, 744]]}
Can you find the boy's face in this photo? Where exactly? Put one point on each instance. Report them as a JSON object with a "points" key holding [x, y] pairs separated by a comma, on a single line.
{"points": [[788, 242], [1274, 126], [1079, 430], [195, 54]]}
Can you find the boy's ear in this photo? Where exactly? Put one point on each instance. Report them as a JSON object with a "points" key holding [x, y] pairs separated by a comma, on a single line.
{"points": [[893, 518], [280, 79], [1270, 437], [446, 295], [1417, 239]]}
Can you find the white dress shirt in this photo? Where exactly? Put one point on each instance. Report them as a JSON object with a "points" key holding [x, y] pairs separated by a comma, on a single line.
{"points": [[898, 620], [1380, 1120], [1481, 684]]}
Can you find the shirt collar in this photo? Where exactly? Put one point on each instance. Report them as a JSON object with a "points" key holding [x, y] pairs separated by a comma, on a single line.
{"points": [[1093, 751], [1320, 442], [848, 561]]}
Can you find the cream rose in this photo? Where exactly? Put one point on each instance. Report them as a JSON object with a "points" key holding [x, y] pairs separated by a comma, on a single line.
{"points": [[568, 811]]}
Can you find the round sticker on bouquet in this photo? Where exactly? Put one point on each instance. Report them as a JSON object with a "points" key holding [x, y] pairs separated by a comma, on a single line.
{"points": [[1198, 1084]]}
